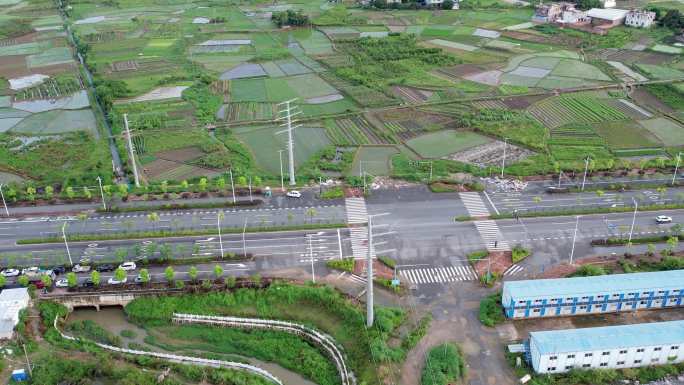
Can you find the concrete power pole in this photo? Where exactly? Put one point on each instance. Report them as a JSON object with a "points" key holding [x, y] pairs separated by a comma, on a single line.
{"points": [[287, 113], [131, 151], [370, 315]]}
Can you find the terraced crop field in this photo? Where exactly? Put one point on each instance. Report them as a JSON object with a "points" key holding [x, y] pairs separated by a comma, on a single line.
{"points": [[356, 131], [236, 112], [566, 109]]}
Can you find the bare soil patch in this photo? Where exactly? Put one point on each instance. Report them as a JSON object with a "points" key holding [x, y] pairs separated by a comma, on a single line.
{"points": [[185, 154], [521, 103], [645, 98], [491, 154], [500, 261], [411, 94], [127, 65], [14, 66]]}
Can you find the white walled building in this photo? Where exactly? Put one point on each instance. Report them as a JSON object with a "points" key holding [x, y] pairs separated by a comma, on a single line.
{"points": [[640, 19], [12, 301], [592, 295], [608, 3], [614, 347]]}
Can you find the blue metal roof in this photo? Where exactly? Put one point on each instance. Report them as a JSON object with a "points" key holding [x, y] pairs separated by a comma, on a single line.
{"points": [[608, 337], [562, 287]]}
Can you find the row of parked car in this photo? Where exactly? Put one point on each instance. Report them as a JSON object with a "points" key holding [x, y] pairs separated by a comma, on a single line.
{"points": [[35, 273]]}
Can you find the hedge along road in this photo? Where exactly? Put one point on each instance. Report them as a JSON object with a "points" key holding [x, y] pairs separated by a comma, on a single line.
{"points": [[449, 101]]}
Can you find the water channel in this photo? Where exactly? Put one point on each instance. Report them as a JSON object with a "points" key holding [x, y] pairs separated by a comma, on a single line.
{"points": [[113, 319]]}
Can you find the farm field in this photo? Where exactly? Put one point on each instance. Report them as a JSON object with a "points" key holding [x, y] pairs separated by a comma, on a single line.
{"points": [[375, 160], [48, 132], [265, 144], [443, 143]]}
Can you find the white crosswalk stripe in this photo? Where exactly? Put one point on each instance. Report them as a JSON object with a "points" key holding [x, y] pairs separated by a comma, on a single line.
{"points": [[513, 270], [490, 233], [356, 210], [474, 204], [355, 278], [444, 274]]}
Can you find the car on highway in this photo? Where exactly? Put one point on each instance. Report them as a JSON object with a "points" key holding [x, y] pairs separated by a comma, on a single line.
{"points": [[78, 268], [62, 283], [114, 281], [84, 260], [104, 268], [663, 219], [557, 189], [10, 272], [59, 270], [128, 266], [294, 194]]}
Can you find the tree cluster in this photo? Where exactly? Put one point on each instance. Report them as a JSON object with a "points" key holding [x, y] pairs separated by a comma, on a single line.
{"points": [[290, 17]]}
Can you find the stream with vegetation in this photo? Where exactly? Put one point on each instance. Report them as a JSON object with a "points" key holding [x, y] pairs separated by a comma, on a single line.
{"points": [[113, 320]]}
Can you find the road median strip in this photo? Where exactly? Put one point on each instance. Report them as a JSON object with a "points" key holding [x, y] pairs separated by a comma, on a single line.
{"points": [[176, 233], [569, 212]]}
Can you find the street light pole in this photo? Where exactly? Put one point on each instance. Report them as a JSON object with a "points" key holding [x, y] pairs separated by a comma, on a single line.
{"points": [[574, 238], [218, 226], [3, 201], [104, 205], [282, 177], [560, 175], [503, 160], [232, 185], [586, 167], [66, 244], [631, 229], [674, 176]]}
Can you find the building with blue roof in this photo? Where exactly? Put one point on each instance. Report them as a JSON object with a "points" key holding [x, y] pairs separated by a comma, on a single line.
{"points": [[591, 295], [606, 347]]}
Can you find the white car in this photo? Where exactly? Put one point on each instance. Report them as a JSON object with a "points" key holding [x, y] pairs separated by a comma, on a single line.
{"points": [[294, 194], [663, 219], [114, 281], [128, 266], [29, 270], [62, 283], [81, 268], [10, 272]]}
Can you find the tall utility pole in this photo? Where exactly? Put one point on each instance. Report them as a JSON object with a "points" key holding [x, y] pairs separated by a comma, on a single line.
{"points": [[674, 176], [282, 178], [584, 178], [131, 151], [104, 204], [574, 238], [232, 185], [631, 229], [219, 216], [503, 160], [3, 201], [313, 274], [287, 113], [66, 244], [370, 315]]}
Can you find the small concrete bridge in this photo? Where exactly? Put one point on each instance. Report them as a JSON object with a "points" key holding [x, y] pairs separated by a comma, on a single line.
{"points": [[97, 299]]}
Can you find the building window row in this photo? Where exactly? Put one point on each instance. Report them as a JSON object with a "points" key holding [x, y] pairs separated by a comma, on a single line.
{"points": [[607, 353], [604, 296]]}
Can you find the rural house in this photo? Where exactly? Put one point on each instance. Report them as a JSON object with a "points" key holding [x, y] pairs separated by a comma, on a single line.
{"points": [[12, 301], [640, 18]]}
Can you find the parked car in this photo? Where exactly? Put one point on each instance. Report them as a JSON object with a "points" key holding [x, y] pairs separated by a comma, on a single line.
{"points": [[10, 272], [59, 270], [28, 270], [105, 267], [663, 219], [62, 283], [139, 279], [78, 268], [38, 284], [85, 260], [294, 194], [128, 266], [88, 283], [114, 281]]}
